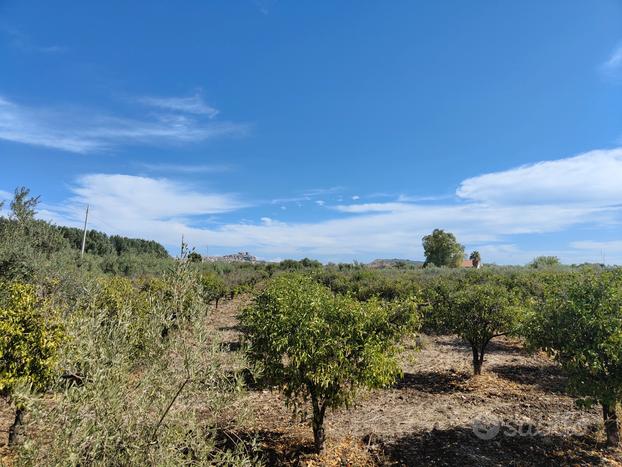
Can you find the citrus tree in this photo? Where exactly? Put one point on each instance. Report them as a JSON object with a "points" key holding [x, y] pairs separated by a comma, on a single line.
{"points": [[213, 288], [318, 346], [578, 321], [477, 312], [29, 340]]}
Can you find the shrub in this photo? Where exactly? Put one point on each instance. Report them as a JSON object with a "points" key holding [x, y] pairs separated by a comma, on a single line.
{"points": [[476, 312], [579, 322], [28, 343], [316, 345], [213, 288]]}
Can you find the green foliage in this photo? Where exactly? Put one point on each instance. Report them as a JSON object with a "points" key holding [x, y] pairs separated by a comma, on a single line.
{"points": [[316, 345], [23, 207], [195, 257], [213, 288], [578, 321], [293, 265], [100, 244], [126, 405], [29, 339], [477, 312], [442, 249], [545, 262]]}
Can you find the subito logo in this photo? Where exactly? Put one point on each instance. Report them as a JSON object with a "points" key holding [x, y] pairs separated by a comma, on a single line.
{"points": [[486, 429]]}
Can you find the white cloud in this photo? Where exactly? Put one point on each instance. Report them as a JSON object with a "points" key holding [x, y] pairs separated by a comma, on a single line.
{"points": [[186, 168], [613, 246], [490, 211], [320, 202], [356, 198], [85, 132], [308, 195], [193, 104], [372, 207], [614, 63], [592, 178], [139, 206]]}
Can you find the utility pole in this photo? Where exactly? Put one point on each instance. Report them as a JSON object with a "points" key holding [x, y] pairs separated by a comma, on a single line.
{"points": [[86, 218]]}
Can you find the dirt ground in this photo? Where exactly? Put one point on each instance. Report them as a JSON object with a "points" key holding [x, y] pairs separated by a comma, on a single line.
{"points": [[516, 413]]}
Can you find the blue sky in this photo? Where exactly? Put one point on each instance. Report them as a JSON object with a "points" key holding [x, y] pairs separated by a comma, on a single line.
{"points": [[335, 130]]}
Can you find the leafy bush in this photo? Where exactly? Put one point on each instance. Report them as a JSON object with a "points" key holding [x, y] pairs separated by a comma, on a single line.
{"points": [[213, 288], [29, 338], [545, 262], [477, 312], [320, 346], [131, 394], [579, 322]]}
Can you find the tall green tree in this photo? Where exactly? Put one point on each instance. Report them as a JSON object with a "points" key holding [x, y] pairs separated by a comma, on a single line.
{"points": [[442, 249], [318, 346], [578, 321]]}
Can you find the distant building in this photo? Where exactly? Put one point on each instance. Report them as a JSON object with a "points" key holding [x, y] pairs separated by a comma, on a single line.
{"points": [[240, 257], [469, 263]]}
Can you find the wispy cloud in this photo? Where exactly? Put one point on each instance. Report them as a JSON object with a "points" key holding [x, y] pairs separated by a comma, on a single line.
{"points": [[309, 195], [140, 206], [186, 168], [193, 104], [92, 131], [612, 67], [22, 41], [613, 246], [264, 6]]}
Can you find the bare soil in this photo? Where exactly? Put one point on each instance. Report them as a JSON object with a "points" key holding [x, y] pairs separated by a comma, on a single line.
{"points": [[517, 413]]}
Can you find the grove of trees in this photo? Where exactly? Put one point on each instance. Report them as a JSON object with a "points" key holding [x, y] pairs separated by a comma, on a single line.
{"points": [[117, 341]]}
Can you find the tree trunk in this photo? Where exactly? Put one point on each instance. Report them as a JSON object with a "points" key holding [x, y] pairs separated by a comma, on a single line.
{"points": [[217, 303], [612, 424], [19, 419], [319, 436], [478, 360]]}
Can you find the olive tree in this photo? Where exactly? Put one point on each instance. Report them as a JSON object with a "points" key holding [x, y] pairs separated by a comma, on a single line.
{"points": [[319, 346], [477, 312], [578, 322], [28, 344]]}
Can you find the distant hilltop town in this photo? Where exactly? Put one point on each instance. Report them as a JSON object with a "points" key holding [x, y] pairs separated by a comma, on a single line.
{"points": [[240, 257]]}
